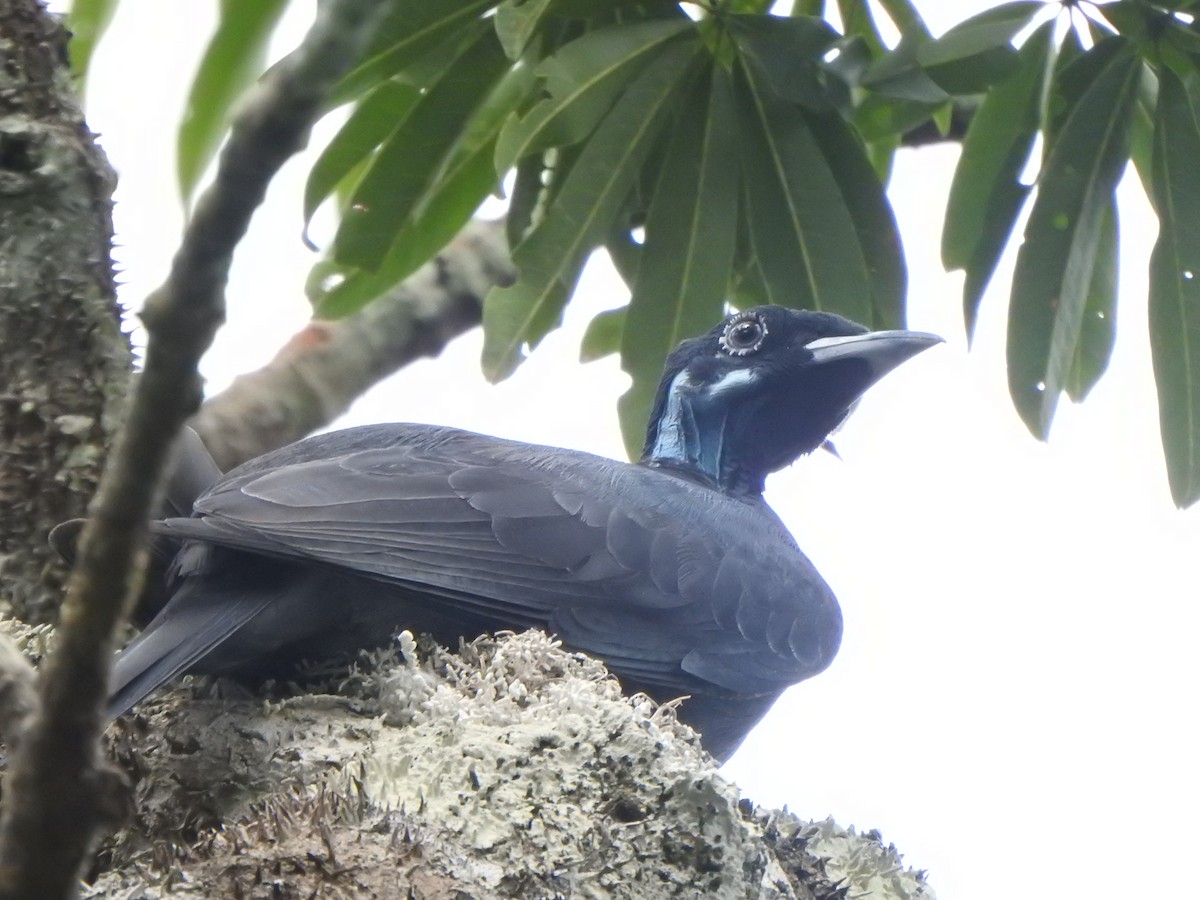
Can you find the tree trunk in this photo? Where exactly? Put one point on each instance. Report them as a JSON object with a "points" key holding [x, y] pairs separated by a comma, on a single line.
{"points": [[64, 362]]}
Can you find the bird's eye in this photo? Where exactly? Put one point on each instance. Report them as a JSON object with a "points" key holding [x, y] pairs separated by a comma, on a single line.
{"points": [[743, 335]]}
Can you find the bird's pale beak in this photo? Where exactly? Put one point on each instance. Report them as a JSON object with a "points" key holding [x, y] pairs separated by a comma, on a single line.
{"points": [[882, 351]]}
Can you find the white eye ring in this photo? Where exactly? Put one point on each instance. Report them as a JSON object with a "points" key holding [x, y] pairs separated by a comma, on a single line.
{"points": [[743, 335]]}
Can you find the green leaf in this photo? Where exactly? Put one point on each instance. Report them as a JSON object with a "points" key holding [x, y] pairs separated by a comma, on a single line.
{"points": [[582, 80], [88, 21], [445, 206], [899, 75], [882, 153], [551, 257], [603, 335], [803, 236], [1131, 20], [525, 199], [1098, 330], [625, 253], [991, 29], [977, 53], [416, 154], [1141, 143], [1175, 285], [1056, 261], [974, 74], [406, 34], [879, 118], [905, 17], [856, 20], [687, 257], [787, 54], [880, 250], [986, 194], [516, 22], [233, 60], [377, 116], [1074, 73]]}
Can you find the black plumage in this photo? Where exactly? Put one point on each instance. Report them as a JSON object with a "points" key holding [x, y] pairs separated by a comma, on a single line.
{"points": [[674, 570]]}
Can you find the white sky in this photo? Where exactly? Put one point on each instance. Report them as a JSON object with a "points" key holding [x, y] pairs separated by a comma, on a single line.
{"points": [[1013, 701]]}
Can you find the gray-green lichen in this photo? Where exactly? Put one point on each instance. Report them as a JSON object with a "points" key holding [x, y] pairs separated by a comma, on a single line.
{"points": [[510, 768]]}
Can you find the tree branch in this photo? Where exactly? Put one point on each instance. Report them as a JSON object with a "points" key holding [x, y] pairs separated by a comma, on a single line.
{"points": [[57, 794], [327, 365], [18, 692]]}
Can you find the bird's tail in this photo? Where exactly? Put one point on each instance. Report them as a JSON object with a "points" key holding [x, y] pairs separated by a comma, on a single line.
{"points": [[189, 630]]}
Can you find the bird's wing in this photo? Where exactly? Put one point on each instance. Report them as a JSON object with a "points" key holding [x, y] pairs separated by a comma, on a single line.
{"points": [[615, 559]]}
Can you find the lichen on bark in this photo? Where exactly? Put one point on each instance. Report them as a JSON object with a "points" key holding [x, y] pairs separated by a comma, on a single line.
{"points": [[510, 768], [64, 361]]}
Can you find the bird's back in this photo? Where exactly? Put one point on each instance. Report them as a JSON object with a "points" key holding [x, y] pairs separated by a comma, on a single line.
{"points": [[348, 537]]}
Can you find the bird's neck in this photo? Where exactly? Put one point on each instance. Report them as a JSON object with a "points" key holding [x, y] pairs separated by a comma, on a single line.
{"points": [[697, 437]]}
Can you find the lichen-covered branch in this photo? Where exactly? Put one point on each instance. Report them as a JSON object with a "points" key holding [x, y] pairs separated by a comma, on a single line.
{"points": [[57, 794], [324, 367], [510, 768]]}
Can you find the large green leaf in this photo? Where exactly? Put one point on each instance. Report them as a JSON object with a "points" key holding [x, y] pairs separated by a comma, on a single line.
{"points": [[1074, 72], [880, 251], [687, 257], [986, 195], [905, 17], [624, 252], [1056, 261], [234, 58], [803, 236], [788, 53], [88, 21], [1175, 285], [899, 75], [524, 199], [1141, 141], [990, 29], [857, 20], [602, 337], [407, 33], [582, 80], [516, 22], [539, 179], [1098, 329], [552, 255], [445, 206], [417, 153], [880, 118], [377, 116]]}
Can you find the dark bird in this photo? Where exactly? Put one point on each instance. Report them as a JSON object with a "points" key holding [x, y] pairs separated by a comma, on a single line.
{"points": [[673, 570]]}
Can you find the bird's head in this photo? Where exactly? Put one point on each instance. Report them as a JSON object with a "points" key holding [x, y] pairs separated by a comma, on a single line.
{"points": [[764, 387]]}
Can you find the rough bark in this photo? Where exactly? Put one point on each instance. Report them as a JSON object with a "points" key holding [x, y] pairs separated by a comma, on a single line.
{"points": [[64, 362]]}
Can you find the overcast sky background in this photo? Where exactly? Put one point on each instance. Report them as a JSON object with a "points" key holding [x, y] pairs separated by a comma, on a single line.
{"points": [[1014, 700]]}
